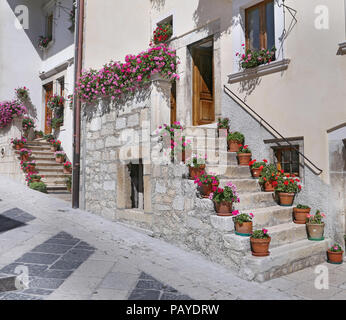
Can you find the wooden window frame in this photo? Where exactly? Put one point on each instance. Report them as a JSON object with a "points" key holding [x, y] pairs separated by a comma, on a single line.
{"points": [[278, 158], [263, 23]]}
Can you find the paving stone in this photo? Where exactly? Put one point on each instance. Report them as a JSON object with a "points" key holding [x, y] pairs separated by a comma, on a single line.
{"points": [[67, 242], [149, 284], [38, 258], [119, 281], [172, 296], [109, 294], [19, 296], [52, 248], [34, 269], [37, 292], [46, 283], [96, 268], [7, 224], [19, 215], [63, 235], [77, 255], [84, 246], [66, 265], [54, 274], [145, 276], [142, 294]]}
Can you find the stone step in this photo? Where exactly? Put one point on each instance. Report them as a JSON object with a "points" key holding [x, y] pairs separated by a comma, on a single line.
{"points": [[42, 153], [53, 188], [286, 233], [235, 172], [38, 148], [284, 259], [54, 181], [38, 143], [218, 157], [67, 196], [270, 216], [42, 158], [255, 200], [243, 185], [50, 170]]}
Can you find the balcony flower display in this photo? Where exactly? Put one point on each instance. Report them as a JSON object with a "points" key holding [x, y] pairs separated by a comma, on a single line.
{"points": [[254, 58], [10, 110]]}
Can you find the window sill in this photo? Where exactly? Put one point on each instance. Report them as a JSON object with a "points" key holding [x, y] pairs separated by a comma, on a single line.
{"points": [[342, 48], [275, 66]]}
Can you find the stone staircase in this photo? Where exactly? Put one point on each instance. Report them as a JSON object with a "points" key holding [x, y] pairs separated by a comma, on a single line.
{"points": [[290, 249], [54, 176]]}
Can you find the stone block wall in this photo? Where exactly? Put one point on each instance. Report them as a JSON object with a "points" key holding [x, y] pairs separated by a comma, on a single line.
{"points": [[9, 163]]}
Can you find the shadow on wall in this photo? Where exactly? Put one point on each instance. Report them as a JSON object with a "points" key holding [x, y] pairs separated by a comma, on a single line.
{"points": [[37, 23]]}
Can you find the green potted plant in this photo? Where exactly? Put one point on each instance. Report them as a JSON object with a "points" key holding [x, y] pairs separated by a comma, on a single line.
{"points": [[206, 182], [196, 166], [38, 186], [22, 94], [257, 167], [235, 140], [55, 145], [315, 226], [24, 154], [33, 177], [260, 241], [300, 213], [224, 198], [38, 134], [242, 223], [335, 254], [244, 155], [28, 166], [287, 187], [57, 122], [59, 156], [18, 143], [223, 124], [268, 175], [67, 167], [27, 124]]}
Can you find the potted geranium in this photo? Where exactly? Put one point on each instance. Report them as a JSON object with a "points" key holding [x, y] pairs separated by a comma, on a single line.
{"points": [[27, 124], [24, 154], [268, 176], [223, 124], [38, 134], [33, 177], [54, 145], [257, 167], [224, 198], [22, 94], [242, 223], [244, 155], [162, 33], [67, 167], [60, 156], [300, 213], [315, 226], [287, 187], [43, 42], [335, 254], [56, 102], [254, 58], [28, 166], [206, 182], [196, 166], [235, 140], [18, 143], [260, 241]]}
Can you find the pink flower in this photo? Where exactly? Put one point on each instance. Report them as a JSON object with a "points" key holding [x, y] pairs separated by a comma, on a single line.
{"points": [[265, 231]]}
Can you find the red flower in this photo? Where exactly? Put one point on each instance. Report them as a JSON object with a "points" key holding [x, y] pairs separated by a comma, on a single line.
{"points": [[282, 171], [265, 161], [286, 183]]}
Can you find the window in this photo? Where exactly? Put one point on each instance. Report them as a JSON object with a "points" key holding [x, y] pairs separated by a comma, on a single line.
{"points": [[259, 21], [49, 28], [287, 159]]}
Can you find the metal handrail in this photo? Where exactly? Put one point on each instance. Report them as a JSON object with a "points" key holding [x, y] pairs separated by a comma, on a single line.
{"points": [[278, 133]]}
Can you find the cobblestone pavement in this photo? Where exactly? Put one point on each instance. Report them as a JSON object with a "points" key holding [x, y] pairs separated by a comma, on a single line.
{"points": [[74, 255]]}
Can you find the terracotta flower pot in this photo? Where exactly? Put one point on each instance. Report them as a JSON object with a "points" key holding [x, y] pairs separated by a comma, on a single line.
{"points": [[37, 136], [67, 171], [244, 229], [300, 215], [53, 149], [286, 199], [24, 157], [260, 247], [233, 146], [315, 231], [18, 146], [244, 158], [224, 209], [206, 190], [196, 172], [36, 180], [59, 159], [268, 187], [256, 173], [335, 257]]}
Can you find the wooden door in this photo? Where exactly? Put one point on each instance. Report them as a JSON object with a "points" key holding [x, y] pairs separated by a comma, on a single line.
{"points": [[174, 102], [48, 113], [203, 86]]}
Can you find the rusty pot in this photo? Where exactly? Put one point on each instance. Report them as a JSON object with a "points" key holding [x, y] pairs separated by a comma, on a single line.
{"points": [[315, 231], [335, 257], [244, 158], [224, 208], [300, 215], [286, 199], [196, 172], [244, 229], [233, 146], [260, 247]]}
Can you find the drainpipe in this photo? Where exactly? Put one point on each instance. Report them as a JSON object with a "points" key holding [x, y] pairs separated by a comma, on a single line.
{"points": [[77, 105]]}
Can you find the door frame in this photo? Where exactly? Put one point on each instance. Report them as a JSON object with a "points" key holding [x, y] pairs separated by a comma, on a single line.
{"points": [[195, 98], [45, 86]]}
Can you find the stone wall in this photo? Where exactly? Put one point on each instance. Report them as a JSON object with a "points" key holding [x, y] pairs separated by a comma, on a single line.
{"points": [[9, 163]]}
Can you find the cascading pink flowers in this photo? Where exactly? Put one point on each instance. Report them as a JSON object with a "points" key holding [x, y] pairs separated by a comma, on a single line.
{"points": [[116, 78], [8, 109]]}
